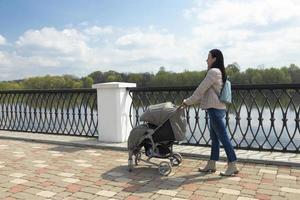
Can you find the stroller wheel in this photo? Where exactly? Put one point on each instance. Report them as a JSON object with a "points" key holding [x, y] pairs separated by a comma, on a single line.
{"points": [[137, 158], [130, 165], [176, 159], [164, 168]]}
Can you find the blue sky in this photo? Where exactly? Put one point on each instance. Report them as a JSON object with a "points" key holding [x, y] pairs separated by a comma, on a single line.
{"points": [[18, 16], [79, 36]]}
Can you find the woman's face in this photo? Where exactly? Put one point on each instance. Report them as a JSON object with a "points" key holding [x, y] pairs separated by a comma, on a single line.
{"points": [[210, 60]]}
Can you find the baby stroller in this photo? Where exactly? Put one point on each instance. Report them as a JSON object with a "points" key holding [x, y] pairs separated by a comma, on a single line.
{"points": [[164, 124]]}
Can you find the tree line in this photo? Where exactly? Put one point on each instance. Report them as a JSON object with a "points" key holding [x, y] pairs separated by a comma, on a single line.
{"points": [[290, 74]]}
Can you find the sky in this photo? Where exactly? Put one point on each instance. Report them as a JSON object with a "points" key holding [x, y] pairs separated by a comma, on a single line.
{"points": [[78, 37]]}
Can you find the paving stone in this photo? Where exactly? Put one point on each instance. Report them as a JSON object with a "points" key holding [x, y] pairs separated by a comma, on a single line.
{"points": [[184, 194], [32, 191], [5, 194], [267, 171], [269, 187], [290, 190], [17, 175], [246, 198], [122, 194], [80, 161], [27, 196], [144, 195], [46, 194], [292, 196], [116, 189], [66, 174], [71, 180], [205, 193], [167, 192], [229, 197], [248, 192], [106, 193], [229, 191], [124, 180], [278, 198], [115, 174], [83, 195], [209, 188], [18, 181], [234, 179], [55, 189], [268, 192], [84, 165], [40, 165], [286, 177], [38, 161]]}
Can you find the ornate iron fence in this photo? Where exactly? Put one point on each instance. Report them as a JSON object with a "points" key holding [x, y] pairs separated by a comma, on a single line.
{"points": [[67, 112], [261, 117]]}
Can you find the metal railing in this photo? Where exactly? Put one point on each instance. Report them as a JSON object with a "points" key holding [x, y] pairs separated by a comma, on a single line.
{"points": [[64, 112], [261, 117]]}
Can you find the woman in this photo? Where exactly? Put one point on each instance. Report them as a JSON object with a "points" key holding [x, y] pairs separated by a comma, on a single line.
{"points": [[207, 95]]}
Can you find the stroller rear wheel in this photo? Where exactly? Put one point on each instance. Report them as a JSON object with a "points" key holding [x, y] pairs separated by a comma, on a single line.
{"points": [[164, 168], [176, 159]]}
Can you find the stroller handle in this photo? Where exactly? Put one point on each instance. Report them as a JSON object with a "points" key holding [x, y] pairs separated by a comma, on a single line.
{"points": [[182, 106], [179, 108]]}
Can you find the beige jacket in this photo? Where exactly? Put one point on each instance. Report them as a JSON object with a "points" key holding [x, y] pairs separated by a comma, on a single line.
{"points": [[206, 92]]}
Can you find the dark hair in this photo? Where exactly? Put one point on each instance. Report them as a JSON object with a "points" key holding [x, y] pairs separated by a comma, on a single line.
{"points": [[219, 63]]}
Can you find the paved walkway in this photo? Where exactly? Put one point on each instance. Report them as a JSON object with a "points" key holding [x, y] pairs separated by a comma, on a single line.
{"points": [[33, 170], [263, 157]]}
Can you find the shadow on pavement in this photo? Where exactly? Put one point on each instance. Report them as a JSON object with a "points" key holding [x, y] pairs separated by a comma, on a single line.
{"points": [[146, 178]]}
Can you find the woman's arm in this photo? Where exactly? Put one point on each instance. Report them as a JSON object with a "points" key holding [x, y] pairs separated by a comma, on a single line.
{"points": [[209, 80]]}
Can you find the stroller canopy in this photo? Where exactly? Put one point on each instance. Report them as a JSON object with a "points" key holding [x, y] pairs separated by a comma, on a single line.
{"points": [[160, 113]]}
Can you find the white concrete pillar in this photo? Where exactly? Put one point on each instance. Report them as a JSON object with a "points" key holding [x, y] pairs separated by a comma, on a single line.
{"points": [[113, 111]]}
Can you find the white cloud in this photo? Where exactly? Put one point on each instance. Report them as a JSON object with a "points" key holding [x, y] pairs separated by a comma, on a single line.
{"points": [[230, 13], [249, 32], [140, 40], [4, 61], [65, 42], [275, 48], [2, 40], [98, 31], [74, 51]]}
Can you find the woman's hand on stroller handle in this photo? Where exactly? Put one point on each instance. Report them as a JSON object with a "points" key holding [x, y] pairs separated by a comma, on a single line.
{"points": [[182, 106]]}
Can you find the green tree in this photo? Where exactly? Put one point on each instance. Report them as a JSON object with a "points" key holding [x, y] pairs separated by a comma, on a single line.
{"points": [[253, 76], [97, 76], [10, 86], [294, 72], [289, 74], [234, 74], [136, 78], [51, 82], [274, 75], [87, 82]]}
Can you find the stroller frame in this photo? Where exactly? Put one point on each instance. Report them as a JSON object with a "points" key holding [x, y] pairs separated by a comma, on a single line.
{"points": [[164, 167]]}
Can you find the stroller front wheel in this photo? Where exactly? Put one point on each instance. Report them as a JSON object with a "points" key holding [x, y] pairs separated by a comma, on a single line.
{"points": [[164, 168], [137, 158], [176, 159], [130, 165]]}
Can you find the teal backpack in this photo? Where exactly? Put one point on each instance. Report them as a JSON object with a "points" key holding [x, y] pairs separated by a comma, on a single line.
{"points": [[225, 95]]}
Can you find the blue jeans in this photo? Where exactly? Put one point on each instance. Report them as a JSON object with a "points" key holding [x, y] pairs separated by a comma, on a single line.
{"points": [[219, 134]]}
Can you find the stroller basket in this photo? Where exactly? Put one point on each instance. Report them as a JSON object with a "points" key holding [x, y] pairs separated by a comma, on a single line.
{"points": [[164, 133]]}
